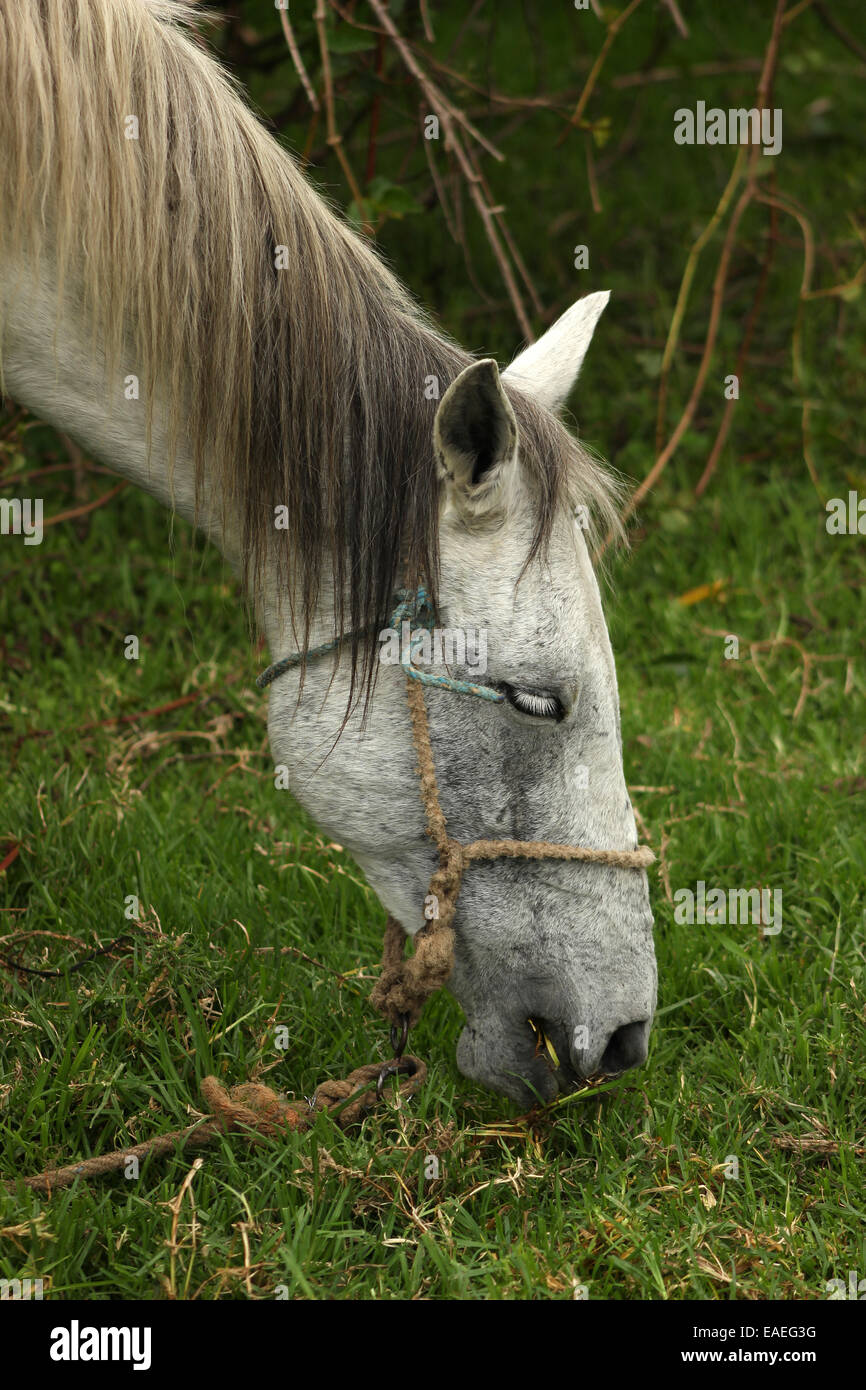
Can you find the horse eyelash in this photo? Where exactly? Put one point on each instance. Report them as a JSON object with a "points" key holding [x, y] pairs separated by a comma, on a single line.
{"points": [[532, 703]]}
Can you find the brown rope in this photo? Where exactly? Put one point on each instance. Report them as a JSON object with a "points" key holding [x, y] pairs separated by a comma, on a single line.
{"points": [[252, 1108], [405, 985]]}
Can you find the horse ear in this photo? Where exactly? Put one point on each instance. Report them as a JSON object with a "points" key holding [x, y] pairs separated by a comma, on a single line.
{"points": [[548, 369], [475, 432]]}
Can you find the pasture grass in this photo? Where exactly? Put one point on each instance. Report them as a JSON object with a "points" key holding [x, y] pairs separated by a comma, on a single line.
{"points": [[758, 1042], [251, 919]]}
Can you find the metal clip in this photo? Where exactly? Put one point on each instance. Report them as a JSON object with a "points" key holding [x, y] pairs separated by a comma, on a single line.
{"points": [[399, 1038], [405, 1066]]}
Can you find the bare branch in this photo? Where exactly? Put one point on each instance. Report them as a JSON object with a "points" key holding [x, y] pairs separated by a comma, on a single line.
{"points": [[298, 60]]}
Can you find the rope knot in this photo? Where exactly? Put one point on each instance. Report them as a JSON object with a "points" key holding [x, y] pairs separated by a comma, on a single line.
{"points": [[406, 984]]}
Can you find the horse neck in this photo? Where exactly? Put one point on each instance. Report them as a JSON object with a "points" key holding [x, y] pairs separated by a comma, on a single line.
{"points": [[51, 364]]}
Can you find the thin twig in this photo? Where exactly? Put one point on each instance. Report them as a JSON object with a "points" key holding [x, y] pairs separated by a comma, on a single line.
{"points": [[829, 20], [640, 79], [700, 380], [425, 20], [796, 336], [749, 192], [298, 60], [685, 289], [456, 113], [674, 10], [591, 175], [727, 417], [334, 138], [612, 30], [16, 479], [440, 190], [499, 214], [88, 506], [448, 118]]}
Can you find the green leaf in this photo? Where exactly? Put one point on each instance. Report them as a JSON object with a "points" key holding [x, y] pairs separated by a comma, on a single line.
{"points": [[674, 519], [650, 362], [392, 200], [358, 215], [601, 132]]}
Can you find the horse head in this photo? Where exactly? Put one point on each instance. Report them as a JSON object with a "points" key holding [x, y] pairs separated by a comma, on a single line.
{"points": [[544, 950]]}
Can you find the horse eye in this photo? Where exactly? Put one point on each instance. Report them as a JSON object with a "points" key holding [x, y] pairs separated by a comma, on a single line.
{"points": [[536, 703]]}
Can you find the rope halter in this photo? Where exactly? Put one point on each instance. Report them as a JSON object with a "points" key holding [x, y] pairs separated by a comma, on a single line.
{"points": [[406, 983]]}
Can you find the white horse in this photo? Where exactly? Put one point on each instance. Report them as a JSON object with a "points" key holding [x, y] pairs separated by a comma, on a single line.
{"points": [[176, 297]]}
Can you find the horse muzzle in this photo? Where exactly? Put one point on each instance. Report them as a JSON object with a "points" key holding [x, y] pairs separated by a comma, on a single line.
{"points": [[537, 1058]]}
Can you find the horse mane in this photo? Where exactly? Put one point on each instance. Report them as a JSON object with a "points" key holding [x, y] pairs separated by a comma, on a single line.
{"points": [[301, 387]]}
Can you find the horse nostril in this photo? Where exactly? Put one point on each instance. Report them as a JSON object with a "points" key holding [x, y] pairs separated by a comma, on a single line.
{"points": [[626, 1048]]}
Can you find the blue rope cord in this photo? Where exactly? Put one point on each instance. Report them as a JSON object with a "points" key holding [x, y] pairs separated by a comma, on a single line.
{"points": [[414, 607]]}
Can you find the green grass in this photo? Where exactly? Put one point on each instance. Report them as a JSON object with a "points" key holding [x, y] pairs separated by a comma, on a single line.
{"points": [[758, 1042]]}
